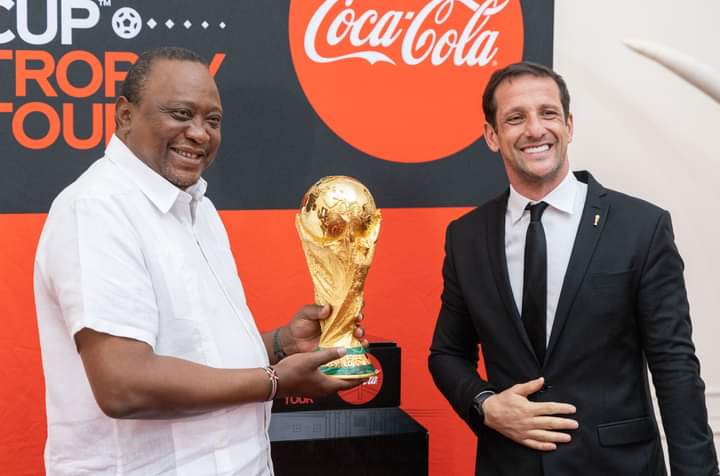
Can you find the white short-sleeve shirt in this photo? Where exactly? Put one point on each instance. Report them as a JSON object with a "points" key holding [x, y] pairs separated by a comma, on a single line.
{"points": [[126, 253]]}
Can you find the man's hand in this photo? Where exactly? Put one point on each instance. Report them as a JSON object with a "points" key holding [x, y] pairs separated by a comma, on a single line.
{"points": [[302, 334], [298, 374], [529, 423]]}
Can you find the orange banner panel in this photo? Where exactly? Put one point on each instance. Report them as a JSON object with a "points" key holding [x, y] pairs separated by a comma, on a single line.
{"points": [[22, 391], [402, 301]]}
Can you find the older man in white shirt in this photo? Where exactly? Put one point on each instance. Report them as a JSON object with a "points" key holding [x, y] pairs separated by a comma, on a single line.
{"points": [[152, 360]]}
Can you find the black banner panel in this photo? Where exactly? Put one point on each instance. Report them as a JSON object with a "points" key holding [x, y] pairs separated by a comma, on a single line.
{"points": [[387, 92]]}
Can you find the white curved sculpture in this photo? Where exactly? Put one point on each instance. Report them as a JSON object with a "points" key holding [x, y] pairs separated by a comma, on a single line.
{"points": [[693, 71]]}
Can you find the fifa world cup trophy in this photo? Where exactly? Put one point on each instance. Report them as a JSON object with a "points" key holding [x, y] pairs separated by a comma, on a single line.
{"points": [[338, 225]]}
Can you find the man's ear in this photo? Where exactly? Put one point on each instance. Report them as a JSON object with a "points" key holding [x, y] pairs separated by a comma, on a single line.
{"points": [[123, 115], [491, 137]]}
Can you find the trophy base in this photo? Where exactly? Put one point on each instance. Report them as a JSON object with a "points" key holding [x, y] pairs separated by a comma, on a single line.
{"points": [[352, 365]]}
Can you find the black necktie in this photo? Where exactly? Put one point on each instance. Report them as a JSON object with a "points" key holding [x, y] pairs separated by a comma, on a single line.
{"points": [[534, 303]]}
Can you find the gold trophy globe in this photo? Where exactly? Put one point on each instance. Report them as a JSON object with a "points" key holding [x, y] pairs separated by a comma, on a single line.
{"points": [[338, 225]]}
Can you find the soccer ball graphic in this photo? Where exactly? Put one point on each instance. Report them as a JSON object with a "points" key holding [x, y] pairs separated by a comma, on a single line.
{"points": [[126, 23]]}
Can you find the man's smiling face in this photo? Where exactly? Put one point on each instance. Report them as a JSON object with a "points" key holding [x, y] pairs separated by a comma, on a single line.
{"points": [[175, 126], [532, 133]]}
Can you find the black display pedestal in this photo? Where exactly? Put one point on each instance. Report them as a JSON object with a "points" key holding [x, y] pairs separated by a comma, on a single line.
{"points": [[358, 442]]}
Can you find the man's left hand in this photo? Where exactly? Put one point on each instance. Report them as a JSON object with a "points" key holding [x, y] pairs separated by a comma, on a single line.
{"points": [[302, 334]]}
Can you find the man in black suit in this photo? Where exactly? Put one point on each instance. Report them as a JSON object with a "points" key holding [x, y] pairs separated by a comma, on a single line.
{"points": [[572, 290]]}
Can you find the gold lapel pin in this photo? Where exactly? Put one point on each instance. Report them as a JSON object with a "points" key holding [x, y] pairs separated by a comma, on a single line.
{"points": [[597, 219]]}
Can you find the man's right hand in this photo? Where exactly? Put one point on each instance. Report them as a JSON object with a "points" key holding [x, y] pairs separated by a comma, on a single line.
{"points": [[298, 374], [532, 424]]}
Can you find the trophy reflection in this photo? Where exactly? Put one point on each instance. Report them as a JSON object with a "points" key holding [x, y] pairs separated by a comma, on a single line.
{"points": [[338, 225]]}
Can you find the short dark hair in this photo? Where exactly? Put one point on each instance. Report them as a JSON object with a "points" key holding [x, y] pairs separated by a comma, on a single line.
{"points": [[137, 74], [515, 70]]}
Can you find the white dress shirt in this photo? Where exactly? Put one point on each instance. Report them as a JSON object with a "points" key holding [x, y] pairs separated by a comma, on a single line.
{"points": [[560, 221], [126, 253]]}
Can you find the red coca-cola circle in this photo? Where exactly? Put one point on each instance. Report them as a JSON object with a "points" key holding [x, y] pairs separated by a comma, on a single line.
{"points": [[367, 391], [402, 80]]}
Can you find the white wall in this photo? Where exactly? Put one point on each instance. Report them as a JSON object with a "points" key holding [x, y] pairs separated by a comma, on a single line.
{"points": [[642, 130]]}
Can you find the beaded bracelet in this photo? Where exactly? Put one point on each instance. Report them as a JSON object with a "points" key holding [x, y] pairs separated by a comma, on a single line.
{"points": [[272, 375]]}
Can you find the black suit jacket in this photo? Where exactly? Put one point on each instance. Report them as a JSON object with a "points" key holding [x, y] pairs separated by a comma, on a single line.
{"points": [[622, 307]]}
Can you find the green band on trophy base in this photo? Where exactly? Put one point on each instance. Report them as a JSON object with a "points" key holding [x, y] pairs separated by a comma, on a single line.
{"points": [[354, 364], [355, 351], [357, 372]]}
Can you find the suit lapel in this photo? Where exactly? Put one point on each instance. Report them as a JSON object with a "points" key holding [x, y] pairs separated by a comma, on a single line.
{"points": [[498, 264], [592, 222]]}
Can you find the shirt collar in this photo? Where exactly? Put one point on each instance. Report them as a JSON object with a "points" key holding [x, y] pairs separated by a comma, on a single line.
{"points": [[561, 198], [159, 191], [197, 190]]}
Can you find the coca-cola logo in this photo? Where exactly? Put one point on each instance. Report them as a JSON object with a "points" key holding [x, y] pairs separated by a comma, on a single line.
{"points": [[402, 80]]}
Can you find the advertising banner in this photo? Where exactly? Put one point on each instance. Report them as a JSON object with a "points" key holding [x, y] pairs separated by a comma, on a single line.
{"points": [[386, 91]]}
